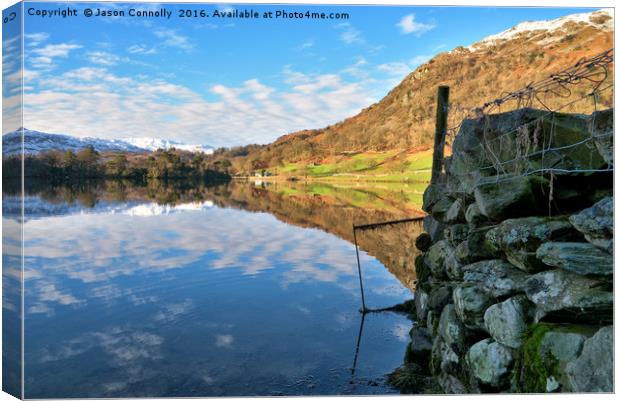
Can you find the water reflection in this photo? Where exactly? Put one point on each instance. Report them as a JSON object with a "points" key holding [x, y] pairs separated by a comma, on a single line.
{"points": [[159, 290]]}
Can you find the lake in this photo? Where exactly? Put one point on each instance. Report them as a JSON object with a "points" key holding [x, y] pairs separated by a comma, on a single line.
{"points": [[235, 289]]}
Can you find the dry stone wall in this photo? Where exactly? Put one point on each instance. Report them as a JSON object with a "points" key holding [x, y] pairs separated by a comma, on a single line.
{"points": [[514, 290]]}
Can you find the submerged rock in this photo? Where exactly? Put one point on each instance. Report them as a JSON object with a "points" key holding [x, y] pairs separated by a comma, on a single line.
{"points": [[569, 296], [411, 379], [470, 303], [597, 224], [593, 370], [490, 363], [421, 346], [579, 257], [496, 277], [520, 238], [507, 321]]}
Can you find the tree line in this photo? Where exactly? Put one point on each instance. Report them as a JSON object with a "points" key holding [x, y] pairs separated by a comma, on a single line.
{"points": [[89, 163]]}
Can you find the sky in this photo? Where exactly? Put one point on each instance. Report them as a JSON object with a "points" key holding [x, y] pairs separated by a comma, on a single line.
{"points": [[231, 81]]}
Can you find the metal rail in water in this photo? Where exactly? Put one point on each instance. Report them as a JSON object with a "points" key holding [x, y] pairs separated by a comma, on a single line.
{"points": [[370, 226]]}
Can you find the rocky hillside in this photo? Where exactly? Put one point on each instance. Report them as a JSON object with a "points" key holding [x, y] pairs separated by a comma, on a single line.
{"points": [[404, 119]]}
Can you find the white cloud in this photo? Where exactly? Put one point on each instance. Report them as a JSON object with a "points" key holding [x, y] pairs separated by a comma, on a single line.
{"points": [[58, 50], [350, 35], [306, 45], [421, 59], [34, 39], [43, 57], [141, 49], [224, 340], [173, 39], [251, 112], [408, 25], [103, 58], [395, 68]]}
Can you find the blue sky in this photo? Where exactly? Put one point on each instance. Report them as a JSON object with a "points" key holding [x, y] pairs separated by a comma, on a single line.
{"points": [[227, 82]]}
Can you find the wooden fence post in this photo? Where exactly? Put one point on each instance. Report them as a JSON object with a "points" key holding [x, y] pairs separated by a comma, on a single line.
{"points": [[441, 124]]}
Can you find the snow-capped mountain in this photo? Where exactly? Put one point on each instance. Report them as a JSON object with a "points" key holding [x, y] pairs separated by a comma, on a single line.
{"points": [[153, 144], [36, 142], [601, 19]]}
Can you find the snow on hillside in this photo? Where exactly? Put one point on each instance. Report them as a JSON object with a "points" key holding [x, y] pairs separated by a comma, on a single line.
{"points": [[156, 143], [592, 19], [36, 142]]}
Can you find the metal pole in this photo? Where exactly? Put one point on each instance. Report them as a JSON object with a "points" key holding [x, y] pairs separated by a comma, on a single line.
{"points": [[441, 124], [359, 270], [357, 347]]}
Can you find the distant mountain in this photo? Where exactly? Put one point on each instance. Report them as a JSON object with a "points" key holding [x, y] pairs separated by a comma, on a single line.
{"points": [[37, 142], [153, 144], [483, 71]]}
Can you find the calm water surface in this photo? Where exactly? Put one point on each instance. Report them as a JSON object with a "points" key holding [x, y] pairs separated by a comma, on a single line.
{"points": [[135, 297]]}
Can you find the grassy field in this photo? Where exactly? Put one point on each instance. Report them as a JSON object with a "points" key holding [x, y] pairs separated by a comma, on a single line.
{"points": [[386, 196], [391, 166]]}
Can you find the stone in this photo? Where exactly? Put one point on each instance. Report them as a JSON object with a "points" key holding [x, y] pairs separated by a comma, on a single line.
{"points": [[470, 303], [520, 238], [423, 242], [474, 216], [443, 358], [602, 123], [597, 224], [451, 329], [453, 267], [507, 321], [451, 385], [435, 258], [440, 209], [434, 228], [456, 213], [514, 197], [593, 370], [421, 345], [475, 248], [495, 144], [432, 322], [579, 257], [440, 296], [563, 346], [497, 277], [421, 304], [546, 351], [410, 378], [490, 363], [432, 195], [423, 273], [456, 233], [559, 294]]}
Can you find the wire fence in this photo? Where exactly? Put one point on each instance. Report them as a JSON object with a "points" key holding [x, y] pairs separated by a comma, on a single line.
{"points": [[529, 131]]}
